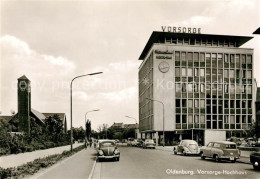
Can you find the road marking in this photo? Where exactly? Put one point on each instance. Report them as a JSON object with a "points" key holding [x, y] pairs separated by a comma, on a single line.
{"points": [[92, 170], [52, 167], [97, 171]]}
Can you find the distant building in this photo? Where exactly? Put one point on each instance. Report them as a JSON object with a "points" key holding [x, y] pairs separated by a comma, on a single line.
{"points": [[205, 81], [25, 112], [257, 106]]}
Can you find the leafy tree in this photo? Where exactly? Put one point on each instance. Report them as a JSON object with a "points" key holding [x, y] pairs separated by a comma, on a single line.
{"points": [[88, 129]]}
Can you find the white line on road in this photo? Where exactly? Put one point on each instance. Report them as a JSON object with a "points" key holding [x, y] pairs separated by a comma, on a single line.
{"points": [[92, 170]]}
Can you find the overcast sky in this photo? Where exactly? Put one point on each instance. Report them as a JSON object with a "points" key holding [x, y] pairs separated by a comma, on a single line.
{"points": [[51, 42]]}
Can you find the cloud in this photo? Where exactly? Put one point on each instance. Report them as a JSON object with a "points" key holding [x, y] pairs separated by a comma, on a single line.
{"points": [[124, 95]]}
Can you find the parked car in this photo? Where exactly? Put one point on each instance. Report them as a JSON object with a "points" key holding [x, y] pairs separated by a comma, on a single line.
{"points": [[187, 147], [130, 141], [139, 143], [134, 142], [149, 143], [107, 149], [255, 160], [222, 150]]}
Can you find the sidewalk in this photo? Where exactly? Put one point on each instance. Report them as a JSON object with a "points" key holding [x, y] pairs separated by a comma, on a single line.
{"points": [[243, 158], [79, 165], [16, 160]]}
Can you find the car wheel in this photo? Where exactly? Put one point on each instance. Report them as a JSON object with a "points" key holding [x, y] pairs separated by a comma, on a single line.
{"points": [[202, 156], [183, 153], [233, 161], [216, 158], [99, 160]]}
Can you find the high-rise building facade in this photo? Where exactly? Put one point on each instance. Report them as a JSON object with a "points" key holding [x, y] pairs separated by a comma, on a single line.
{"points": [[205, 83]]}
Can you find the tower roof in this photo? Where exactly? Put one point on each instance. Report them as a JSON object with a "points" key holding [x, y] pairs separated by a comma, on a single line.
{"points": [[257, 31], [23, 78]]}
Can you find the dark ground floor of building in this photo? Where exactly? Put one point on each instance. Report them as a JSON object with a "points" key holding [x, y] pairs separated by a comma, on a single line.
{"points": [[174, 137]]}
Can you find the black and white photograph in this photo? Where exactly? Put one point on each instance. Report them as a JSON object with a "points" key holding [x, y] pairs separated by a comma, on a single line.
{"points": [[129, 89]]}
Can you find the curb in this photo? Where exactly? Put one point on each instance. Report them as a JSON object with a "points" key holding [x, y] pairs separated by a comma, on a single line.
{"points": [[92, 170]]}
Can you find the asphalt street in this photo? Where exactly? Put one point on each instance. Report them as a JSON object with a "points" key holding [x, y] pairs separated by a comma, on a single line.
{"points": [[149, 163]]}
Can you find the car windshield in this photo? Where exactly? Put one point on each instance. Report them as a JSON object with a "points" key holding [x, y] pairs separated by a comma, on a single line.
{"points": [[231, 146], [107, 144]]}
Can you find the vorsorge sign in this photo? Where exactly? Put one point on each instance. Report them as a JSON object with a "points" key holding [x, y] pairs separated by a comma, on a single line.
{"points": [[181, 29]]}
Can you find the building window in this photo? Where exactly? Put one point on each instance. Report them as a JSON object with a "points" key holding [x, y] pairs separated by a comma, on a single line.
{"points": [[232, 58], [183, 72], [249, 104], [196, 72], [202, 57], [226, 119], [190, 105], [184, 102], [232, 119], [243, 59], [196, 57], [178, 87], [184, 87], [189, 56], [202, 72], [178, 103], [190, 72], [183, 56], [232, 103], [202, 119], [202, 103], [177, 72], [249, 90], [202, 88], [238, 104], [177, 56], [226, 58], [243, 104], [249, 59], [190, 119], [184, 119], [232, 89], [226, 88], [249, 74], [190, 87], [231, 74], [226, 73], [196, 101], [243, 119], [196, 119], [178, 119], [196, 87]]}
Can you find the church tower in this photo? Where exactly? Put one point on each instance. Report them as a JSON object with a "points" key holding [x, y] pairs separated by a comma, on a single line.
{"points": [[24, 104]]}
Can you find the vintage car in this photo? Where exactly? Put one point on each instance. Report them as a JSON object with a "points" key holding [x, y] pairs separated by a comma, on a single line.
{"points": [[222, 150], [149, 143], [255, 160], [187, 147], [107, 149], [139, 143]]}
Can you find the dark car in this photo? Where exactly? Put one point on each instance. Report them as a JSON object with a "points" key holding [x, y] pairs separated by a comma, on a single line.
{"points": [[255, 160], [139, 143], [107, 149]]}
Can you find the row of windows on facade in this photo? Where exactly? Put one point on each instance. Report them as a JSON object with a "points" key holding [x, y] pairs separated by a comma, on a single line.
{"points": [[196, 103], [200, 72], [232, 119], [228, 58], [200, 87], [200, 42]]}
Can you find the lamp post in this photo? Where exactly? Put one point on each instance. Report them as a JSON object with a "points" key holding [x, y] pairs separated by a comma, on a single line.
{"points": [[71, 131], [163, 117], [135, 123], [86, 125]]}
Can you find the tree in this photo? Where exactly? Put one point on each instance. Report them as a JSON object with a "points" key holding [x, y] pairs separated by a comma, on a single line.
{"points": [[251, 130], [54, 127], [88, 129]]}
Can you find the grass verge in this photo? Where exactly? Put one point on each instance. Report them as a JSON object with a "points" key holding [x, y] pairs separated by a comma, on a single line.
{"points": [[33, 167]]}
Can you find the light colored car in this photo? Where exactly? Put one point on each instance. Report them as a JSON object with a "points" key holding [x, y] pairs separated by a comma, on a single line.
{"points": [[187, 147], [222, 150], [130, 141], [149, 143], [107, 149]]}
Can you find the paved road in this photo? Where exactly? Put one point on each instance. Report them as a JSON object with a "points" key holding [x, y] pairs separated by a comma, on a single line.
{"points": [[76, 167], [149, 163]]}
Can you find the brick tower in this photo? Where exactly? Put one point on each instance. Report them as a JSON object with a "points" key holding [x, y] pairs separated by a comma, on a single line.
{"points": [[24, 104]]}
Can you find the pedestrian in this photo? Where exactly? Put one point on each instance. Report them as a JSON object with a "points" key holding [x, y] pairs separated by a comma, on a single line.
{"points": [[90, 143]]}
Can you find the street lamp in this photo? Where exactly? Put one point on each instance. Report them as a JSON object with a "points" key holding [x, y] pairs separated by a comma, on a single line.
{"points": [[86, 126], [71, 131], [135, 123], [163, 117]]}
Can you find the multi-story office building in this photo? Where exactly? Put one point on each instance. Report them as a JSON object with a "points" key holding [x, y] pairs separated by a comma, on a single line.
{"points": [[205, 82]]}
